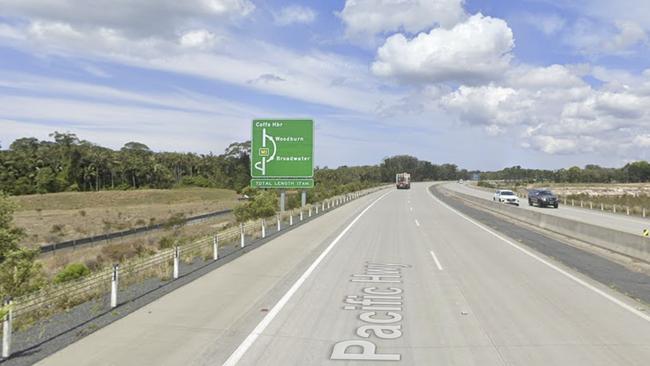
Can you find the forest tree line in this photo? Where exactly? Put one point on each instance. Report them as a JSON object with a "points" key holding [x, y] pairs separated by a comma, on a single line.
{"points": [[69, 163], [634, 172]]}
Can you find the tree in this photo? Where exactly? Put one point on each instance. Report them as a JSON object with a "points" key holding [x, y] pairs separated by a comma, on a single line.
{"points": [[19, 271]]}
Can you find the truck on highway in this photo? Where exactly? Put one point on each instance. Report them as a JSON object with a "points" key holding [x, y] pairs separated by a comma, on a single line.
{"points": [[403, 181]]}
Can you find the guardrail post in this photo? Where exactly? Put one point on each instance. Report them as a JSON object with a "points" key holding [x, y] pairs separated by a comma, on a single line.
{"points": [[215, 247], [242, 239], [114, 285], [263, 229], [177, 259], [6, 329]]}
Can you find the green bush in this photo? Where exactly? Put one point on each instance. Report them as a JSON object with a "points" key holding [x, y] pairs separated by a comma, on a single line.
{"points": [[263, 204], [71, 272], [196, 181], [166, 242], [486, 184]]}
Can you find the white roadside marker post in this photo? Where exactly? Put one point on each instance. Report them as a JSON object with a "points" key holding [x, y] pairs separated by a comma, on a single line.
{"points": [[6, 330], [215, 247], [176, 261], [241, 231], [309, 212], [643, 212], [591, 205], [301, 215], [279, 224], [114, 285], [628, 210], [317, 209], [602, 207], [263, 229], [291, 218], [614, 209]]}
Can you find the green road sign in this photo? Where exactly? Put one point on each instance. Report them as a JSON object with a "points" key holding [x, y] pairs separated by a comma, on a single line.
{"points": [[282, 183], [282, 148]]}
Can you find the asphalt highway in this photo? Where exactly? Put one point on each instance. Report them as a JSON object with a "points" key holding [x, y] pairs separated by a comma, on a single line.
{"points": [[630, 224], [396, 277]]}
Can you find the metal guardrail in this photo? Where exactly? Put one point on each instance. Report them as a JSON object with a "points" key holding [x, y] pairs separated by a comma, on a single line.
{"points": [[165, 265], [120, 234]]}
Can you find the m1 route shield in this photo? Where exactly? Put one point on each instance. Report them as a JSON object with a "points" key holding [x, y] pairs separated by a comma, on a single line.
{"points": [[282, 149]]}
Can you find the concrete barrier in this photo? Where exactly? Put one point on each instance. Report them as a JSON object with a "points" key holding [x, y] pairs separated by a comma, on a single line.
{"points": [[616, 241]]}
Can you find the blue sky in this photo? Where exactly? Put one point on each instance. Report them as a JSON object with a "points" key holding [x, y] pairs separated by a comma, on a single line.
{"points": [[483, 84]]}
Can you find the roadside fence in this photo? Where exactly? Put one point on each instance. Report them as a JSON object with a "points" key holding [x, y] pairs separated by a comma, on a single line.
{"points": [[59, 309], [74, 243]]}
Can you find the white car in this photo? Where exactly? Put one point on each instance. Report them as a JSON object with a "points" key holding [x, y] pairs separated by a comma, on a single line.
{"points": [[506, 196]]}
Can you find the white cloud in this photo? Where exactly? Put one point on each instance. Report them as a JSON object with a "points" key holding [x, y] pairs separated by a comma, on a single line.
{"points": [[547, 24], [554, 76], [200, 38], [492, 106], [551, 110], [364, 19], [594, 38], [642, 140], [476, 50], [307, 76], [95, 71], [294, 14], [140, 19]]}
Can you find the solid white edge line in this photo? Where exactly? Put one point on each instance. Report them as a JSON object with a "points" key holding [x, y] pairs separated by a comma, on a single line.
{"points": [[261, 326], [435, 259], [547, 263], [417, 222]]}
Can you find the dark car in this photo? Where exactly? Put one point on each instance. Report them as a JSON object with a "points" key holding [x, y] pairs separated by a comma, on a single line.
{"points": [[542, 198]]}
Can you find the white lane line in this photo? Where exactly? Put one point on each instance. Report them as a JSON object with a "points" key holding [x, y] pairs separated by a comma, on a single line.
{"points": [[417, 222], [547, 263], [435, 259], [259, 329]]}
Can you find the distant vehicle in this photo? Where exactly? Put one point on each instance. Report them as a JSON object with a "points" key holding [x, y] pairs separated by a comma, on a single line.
{"points": [[542, 198], [403, 181], [506, 196]]}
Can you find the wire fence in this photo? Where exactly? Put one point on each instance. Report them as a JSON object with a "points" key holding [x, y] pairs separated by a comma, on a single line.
{"points": [[75, 243], [628, 210], [58, 309]]}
